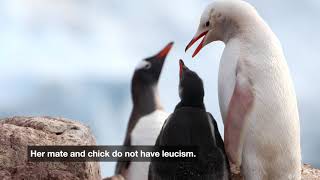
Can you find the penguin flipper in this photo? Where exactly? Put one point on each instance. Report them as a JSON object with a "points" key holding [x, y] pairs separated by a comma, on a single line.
{"points": [[150, 172], [220, 145], [239, 106], [219, 141], [122, 166]]}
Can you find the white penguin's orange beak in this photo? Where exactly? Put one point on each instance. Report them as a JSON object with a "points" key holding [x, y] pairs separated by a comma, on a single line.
{"points": [[195, 39]]}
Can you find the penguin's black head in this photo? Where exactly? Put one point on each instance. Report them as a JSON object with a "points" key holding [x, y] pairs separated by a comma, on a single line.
{"points": [[191, 89], [149, 69]]}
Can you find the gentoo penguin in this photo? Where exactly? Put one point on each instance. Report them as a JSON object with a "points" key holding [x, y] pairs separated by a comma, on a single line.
{"points": [[191, 125], [256, 94], [147, 115]]}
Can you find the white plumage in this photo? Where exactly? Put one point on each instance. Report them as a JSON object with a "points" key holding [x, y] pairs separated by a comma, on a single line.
{"points": [[145, 132], [253, 68], [272, 137]]}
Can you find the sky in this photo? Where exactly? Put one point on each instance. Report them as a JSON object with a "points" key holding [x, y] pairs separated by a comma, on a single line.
{"points": [[75, 58]]}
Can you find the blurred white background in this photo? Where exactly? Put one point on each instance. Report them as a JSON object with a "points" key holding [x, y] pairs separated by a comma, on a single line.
{"points": [[75, 59]]}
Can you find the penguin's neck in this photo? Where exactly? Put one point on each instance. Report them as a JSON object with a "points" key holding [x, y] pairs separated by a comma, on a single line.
{"points": [[145, 100], [184, 103]]}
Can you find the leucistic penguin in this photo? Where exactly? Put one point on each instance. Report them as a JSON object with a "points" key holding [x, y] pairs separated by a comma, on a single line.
{"points": [[191, 125], [256, 94], [147, 115]]}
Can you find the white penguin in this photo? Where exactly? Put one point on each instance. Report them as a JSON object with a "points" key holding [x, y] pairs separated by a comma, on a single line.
{"points": [[147, 116], [256, 94]]}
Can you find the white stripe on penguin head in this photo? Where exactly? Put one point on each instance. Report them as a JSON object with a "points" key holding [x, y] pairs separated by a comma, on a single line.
{"points": [[143, 65]]}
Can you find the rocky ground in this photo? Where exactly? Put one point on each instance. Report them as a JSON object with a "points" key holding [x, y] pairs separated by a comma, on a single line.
{"points": [[18, 132], [307, 172]]}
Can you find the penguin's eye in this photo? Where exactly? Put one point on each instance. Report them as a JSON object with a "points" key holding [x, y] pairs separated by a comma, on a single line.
{"points": [[147, 66], [207, 23]]}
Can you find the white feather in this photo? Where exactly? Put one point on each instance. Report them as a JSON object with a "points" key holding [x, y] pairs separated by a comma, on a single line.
{"points": [[145, 132], [272, 138], [143, 64]]}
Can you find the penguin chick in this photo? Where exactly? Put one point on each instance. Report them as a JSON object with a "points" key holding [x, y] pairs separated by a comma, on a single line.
{"points": [[191, 125]]}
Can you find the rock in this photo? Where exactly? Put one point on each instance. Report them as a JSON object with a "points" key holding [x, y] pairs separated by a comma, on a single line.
{"points": [[116, 177], [18, 132], [310, 173], [307, 172]]}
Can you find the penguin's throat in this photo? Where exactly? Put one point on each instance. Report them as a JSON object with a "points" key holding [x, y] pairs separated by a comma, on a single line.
{"points": [[146, 100]]}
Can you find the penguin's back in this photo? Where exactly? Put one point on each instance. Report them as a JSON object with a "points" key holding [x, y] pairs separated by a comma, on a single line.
{"points": [[145, 132], [191, 127]]}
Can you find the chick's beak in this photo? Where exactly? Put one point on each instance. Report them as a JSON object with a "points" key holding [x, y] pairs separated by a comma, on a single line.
{"points": [[195, 39], [182, 67]]}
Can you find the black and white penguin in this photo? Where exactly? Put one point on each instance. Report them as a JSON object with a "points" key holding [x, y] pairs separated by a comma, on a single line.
{"points": [[191, 125], [147, 116]]}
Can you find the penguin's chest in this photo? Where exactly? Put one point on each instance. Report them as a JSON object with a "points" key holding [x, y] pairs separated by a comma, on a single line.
{"points": [[145, 132], [148, 128]]}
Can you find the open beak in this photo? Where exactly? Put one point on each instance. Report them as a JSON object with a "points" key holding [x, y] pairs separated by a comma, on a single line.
{"points": [[164, 52], [195, 40]]}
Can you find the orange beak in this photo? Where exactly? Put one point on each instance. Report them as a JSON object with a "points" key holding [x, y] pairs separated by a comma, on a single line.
{"points": [[195, 40], [164, 52]]}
